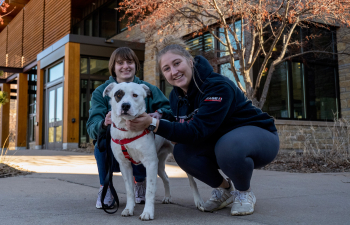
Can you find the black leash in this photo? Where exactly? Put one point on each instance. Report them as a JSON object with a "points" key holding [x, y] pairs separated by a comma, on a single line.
{"points": [[108, 180]]}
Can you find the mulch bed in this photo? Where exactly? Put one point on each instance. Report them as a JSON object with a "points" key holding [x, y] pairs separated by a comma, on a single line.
{"points": [[298, 163], [11, 170]]}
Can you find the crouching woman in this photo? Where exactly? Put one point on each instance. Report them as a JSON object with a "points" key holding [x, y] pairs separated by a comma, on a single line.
{"points": [[215, 127]]}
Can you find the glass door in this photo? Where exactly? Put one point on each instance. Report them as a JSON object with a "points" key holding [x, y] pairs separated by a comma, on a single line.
{"points": [[55, 117]]}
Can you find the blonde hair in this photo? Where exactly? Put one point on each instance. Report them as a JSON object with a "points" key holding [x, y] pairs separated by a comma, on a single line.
{"points": [[176, 46]]}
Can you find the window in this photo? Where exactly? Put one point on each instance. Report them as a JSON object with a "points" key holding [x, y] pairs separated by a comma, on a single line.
{"points": [[202, 45], [32, 106], [305, 88], [55, 72], [102, 22], [234, 27], [225, 69], [94, 66]]}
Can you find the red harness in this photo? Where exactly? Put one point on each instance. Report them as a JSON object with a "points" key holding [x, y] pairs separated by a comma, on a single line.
{"points": [[125, 141]]}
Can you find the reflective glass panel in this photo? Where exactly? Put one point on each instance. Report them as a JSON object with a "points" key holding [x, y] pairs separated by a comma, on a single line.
{"points": [[83, 65], [59, 134], [225, 70], [201, 44], [59, 104], [83, 133], [88, 26], [109, 20], [321, 83], [298, 91], [52, 106], [99, 66], [56, 72], [236, 27], [51, 131], [277, 100]]}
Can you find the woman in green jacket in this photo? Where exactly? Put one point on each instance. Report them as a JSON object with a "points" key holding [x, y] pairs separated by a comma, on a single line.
{"points": [[123, 65]]}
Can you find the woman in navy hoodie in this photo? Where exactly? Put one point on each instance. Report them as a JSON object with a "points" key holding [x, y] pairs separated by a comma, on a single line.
{"points": [[215, 127]]}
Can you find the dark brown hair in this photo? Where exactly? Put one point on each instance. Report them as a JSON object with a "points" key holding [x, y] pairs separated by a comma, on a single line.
{"points": [[122, 53]]}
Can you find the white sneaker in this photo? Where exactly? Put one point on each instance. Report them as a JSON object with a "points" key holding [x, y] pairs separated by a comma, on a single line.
{"points": [[244, 203], [140, 192], [109, 199], [221, 197]]}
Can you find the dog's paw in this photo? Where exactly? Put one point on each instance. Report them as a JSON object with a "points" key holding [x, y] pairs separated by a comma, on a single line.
{"points": [[146, 216], [167, 200], [199, 204], [127, 212]]}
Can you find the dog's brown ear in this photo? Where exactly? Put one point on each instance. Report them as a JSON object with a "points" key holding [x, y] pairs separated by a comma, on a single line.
{"points": [[108, 89], [148, 91]]}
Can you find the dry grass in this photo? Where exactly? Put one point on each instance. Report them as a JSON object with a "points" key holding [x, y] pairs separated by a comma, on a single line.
{"points": [[317, 156], [6, 169]]}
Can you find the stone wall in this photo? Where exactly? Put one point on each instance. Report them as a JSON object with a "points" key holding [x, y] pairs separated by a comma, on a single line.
{"points": [[317, 136]]}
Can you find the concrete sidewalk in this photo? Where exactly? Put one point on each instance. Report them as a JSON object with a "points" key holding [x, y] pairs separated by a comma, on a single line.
{"points": [[63, 190]]}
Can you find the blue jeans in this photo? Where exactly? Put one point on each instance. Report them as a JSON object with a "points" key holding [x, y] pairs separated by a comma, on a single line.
{"points": [[139, 171], [237, 154]]}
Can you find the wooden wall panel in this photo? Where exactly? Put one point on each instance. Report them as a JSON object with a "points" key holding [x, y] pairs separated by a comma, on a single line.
{"points": [[15, 33], [71, 93], [57, 20], [3, 46], [33, 30], [22, 111]]}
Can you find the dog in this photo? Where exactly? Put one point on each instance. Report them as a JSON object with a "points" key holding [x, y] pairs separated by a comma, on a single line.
{"points": [[127, 101]]}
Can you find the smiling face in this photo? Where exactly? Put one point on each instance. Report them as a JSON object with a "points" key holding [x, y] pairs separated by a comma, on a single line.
{"points": [[177, 70], [127, 99], [124, 70]]}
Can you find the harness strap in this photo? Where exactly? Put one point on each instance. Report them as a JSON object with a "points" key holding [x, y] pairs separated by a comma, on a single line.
{"points": [[125, 141]]}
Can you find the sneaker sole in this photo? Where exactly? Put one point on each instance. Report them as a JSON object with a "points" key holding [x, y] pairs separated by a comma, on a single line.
{"points": [[236, 213], [223, 205]]}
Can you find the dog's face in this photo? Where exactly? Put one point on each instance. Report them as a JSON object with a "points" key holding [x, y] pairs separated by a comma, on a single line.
{"points": [[127, 99]]}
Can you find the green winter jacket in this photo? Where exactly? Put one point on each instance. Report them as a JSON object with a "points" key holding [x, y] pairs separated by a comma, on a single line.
{"points": [[100, 106]]}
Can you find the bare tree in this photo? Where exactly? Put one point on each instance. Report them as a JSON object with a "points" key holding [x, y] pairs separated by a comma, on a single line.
{"points": [[264, 26]]}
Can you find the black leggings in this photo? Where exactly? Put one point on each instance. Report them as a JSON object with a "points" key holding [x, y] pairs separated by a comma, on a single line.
{"points": [[236, 153]]}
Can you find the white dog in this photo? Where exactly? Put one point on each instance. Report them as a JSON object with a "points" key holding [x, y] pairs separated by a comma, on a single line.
{"points": [[127, 102]]}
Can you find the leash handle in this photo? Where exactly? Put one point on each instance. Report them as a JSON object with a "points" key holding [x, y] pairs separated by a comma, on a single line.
{"points": [[108, 180]]}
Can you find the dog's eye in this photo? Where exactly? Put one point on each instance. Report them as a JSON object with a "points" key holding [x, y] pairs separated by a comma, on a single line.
{"points": [[135, 95], [119, 95]]}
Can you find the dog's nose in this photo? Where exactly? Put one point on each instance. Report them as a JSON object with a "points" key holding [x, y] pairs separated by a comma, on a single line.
{"points": [[125, 106]]}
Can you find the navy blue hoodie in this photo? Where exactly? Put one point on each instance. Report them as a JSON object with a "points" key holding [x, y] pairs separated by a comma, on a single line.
{"points": [[205, 117]]}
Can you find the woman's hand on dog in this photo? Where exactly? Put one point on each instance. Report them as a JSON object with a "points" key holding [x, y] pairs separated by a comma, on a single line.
{"points": [[156, 115], [140, 123], [108, 119]]}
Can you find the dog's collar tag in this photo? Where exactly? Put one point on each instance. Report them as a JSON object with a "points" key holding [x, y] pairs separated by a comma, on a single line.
{"points": [[125, 141]]}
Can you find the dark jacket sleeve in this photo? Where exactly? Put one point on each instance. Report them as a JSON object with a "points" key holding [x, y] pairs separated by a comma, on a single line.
{"points": [[159, 101], [97, 114], [210, 116]]}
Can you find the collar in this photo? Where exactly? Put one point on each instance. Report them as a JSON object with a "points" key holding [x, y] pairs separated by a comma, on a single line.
{"points": [[129, 140]]}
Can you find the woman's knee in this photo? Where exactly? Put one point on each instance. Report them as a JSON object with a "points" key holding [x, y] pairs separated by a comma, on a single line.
{"points": [[180, 153]]}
